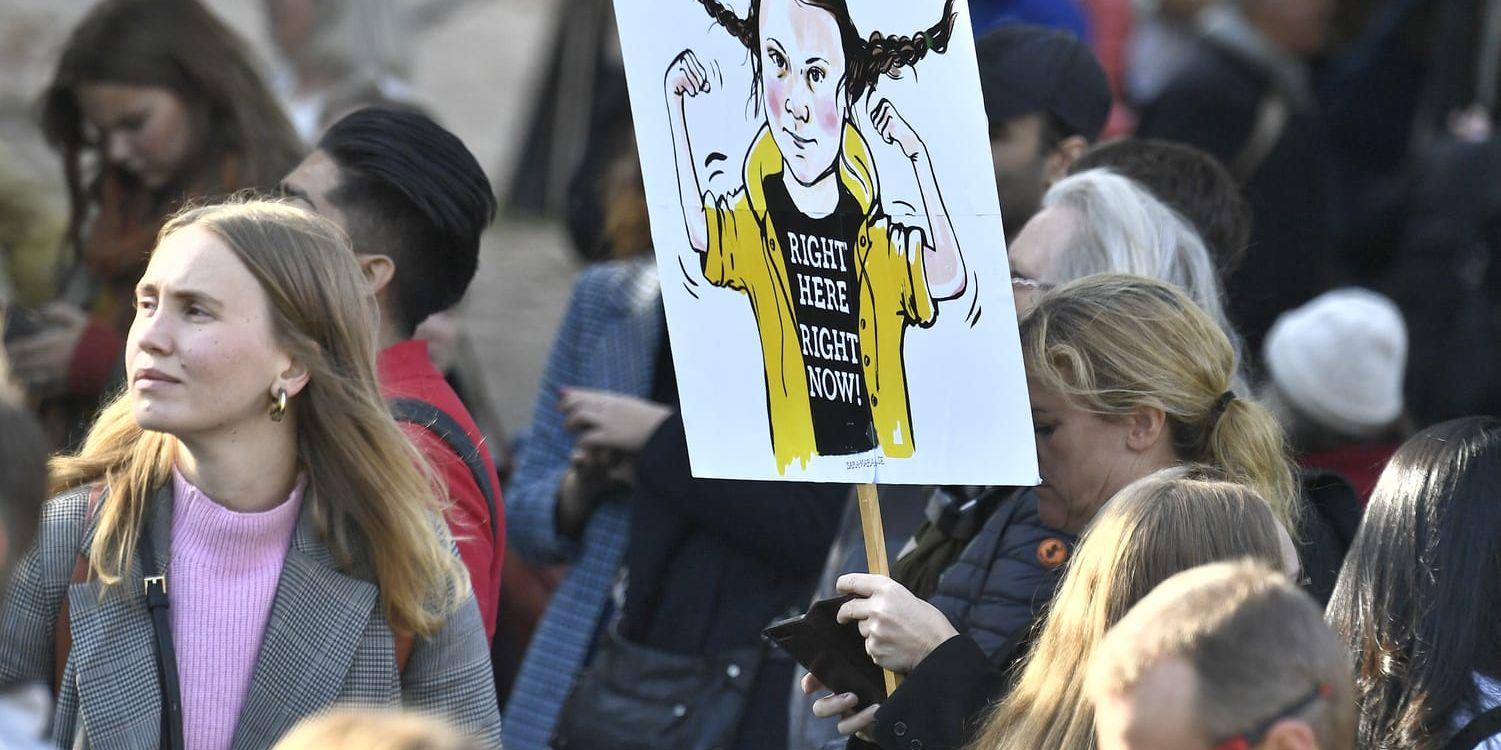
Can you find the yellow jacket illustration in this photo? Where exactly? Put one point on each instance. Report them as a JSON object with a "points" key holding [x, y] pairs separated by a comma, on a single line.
{"points": [[744, 253]]}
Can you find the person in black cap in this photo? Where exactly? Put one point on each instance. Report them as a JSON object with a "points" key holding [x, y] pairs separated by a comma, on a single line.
{"points": [[1047, 100]]}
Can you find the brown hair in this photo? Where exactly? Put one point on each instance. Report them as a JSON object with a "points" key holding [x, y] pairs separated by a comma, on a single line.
{"points": [[627, 229], [181, 46], [1156, 526], [1113, 342], [1256, 643], [866, 60], [367, 491]]}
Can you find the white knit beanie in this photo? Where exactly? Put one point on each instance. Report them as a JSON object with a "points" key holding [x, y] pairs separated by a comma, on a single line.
{"points": [[1339, 360]]}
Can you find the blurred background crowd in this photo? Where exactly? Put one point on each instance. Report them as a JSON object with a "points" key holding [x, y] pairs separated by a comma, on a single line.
{"points": [[1320, 178], [475, 65], [1371, 138]]}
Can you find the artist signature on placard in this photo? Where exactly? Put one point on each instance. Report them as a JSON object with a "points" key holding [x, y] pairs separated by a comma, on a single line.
{"points": [[865, 463]]}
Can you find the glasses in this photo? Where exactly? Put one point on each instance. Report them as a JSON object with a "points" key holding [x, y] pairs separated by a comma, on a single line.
{"points": [[1253, 737], [1022, 282]]}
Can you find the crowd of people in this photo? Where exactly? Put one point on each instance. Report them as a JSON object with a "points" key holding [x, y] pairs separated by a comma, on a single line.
{"points": [[249, 499]]}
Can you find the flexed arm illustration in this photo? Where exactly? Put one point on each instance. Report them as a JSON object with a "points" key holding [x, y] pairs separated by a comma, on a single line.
{"points": [[686, 78], [944, 262]]}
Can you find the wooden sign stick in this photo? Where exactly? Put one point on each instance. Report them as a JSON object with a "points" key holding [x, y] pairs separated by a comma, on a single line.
{"points": [[875, 550]]}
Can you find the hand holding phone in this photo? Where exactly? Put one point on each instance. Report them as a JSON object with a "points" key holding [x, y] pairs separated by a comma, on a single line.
{"points": [[40, 344], [833, 652]]}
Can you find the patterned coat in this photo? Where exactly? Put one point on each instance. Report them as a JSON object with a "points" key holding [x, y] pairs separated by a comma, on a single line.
{"points": [[326, 643], [608, 340]]}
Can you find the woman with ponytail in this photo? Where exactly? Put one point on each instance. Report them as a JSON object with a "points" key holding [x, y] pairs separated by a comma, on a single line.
{"points": [[1127, 376], [246, 537]]}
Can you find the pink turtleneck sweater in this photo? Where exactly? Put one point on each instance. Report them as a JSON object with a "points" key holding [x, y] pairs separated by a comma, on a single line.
{"points": [[221, 583]]}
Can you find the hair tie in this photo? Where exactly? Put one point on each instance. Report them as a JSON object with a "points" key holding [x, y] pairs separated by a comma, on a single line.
{"points": [[1222, 404]]}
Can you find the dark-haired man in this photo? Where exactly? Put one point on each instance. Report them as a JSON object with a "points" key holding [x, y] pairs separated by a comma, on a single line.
{"points": [[1191, 182], [414, 202], [1046, 99]]}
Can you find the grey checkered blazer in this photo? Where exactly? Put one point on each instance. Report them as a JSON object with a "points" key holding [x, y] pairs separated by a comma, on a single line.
{"points": [[327, 643]]}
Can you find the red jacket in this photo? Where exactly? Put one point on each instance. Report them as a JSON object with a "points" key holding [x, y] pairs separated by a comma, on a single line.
{"points": [[406, 372], [1361, 464]]}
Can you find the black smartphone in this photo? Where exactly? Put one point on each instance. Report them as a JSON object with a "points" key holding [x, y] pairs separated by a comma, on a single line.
{"points": [[833, 652]]}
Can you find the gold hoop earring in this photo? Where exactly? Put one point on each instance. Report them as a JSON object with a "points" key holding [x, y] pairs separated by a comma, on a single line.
{"points": [[279, 408]]}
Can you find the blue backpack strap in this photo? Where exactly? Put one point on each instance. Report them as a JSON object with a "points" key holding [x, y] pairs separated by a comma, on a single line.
{"points": [[440, 423]]}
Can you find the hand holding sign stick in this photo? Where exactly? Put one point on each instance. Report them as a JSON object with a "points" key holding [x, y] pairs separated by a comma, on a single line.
{"points": [[875, 549], [796, 287], [900, 630]]}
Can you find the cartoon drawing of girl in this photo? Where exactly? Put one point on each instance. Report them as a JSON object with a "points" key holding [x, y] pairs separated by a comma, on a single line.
{"points": [[832, 280]]}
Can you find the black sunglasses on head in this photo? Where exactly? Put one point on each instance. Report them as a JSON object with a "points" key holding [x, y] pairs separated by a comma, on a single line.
{"points": [[1253, 737]]}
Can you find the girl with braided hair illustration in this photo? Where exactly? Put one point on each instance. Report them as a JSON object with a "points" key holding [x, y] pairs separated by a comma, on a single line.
{"points": [[832, 280]]}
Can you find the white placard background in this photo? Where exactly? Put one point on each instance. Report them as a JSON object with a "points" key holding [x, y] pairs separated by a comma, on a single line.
{"points": [[967, 393]]}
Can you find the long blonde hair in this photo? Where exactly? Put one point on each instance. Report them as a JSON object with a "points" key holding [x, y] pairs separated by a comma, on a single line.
{"points": [[369, 490], [1112, 342], [1153, 528]]}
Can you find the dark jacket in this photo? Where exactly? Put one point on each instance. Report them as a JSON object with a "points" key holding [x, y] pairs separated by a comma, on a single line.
{"points": [[326, 643], [998, 588], [992, 594], [1447, 280], [1214, 104], [1005, 576], [711, 562], [1330, 520]]}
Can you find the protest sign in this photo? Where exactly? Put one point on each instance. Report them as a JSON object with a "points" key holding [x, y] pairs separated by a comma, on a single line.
{"points": [[833, 266]]}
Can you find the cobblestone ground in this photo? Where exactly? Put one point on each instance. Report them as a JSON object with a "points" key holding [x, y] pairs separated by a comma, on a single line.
{"points": [[476, 67]]}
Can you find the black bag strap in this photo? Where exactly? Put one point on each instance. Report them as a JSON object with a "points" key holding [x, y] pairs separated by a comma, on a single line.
{"points": [[166, 655], [441, 423], [1480, 729]]}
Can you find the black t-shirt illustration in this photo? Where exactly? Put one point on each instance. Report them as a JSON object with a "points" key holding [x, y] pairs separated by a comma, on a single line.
{"points": [[820, 259]]}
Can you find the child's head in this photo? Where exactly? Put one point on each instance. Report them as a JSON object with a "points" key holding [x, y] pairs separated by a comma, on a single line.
{"points": [[812, 65]]}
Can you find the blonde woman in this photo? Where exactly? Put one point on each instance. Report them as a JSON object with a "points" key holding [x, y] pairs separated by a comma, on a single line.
{"points": [[246, 537], [1153, 529], [1127, 376], [1171, 521]]}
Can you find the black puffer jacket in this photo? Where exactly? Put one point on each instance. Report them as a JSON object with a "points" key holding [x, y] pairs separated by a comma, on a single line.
{"points": [[999, 585], [1005, 576]]}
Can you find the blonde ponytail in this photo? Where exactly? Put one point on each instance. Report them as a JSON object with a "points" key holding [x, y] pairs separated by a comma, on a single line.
{"points": [[1248, 445], [1113, 342]]}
